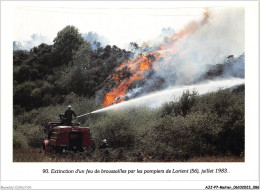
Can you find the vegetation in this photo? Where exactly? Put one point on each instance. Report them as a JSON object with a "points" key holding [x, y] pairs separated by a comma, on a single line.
{"points": [[48, 73], [212, 126], [49, 77]]}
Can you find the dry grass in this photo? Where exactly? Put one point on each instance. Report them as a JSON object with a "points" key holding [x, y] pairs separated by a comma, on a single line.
{"points": [[28, 155], [38, 155], [217, 159]]}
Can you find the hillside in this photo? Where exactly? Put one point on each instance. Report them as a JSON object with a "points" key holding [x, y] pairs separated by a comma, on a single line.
{"points": [[90, 76]]}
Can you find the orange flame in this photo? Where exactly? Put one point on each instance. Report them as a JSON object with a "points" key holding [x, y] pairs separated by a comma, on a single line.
{"points": [[143, 63]]}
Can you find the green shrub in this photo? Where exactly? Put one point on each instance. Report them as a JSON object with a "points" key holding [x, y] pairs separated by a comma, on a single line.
{"points": [[34, 134], [181, 107], [229, 106], [210, 124], [19, 140], [195, 126], [116, 128], [184, 137]]}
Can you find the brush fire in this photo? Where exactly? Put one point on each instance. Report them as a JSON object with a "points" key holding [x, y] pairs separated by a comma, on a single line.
{"points": [[148, 61], [171, 66], [175, 60]]}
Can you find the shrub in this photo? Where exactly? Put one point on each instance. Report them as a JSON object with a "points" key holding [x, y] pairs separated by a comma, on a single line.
{"points": [[184, 137], [195, 126], [33, 134], [116, 128], [181, 107], [19, 140]]}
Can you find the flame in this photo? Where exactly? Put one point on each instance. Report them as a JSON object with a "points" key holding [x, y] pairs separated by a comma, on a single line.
{"points": [[118, 94], [147, 61]]}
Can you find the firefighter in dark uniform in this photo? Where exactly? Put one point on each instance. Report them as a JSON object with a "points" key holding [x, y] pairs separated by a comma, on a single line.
{"points": [[68, 115]]}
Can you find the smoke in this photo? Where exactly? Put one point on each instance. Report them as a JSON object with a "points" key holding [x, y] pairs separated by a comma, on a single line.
{"points": [[167, 32], [156, 99], [235, 66], [36, 40], [93, 38], [184, 57], [190, 53], [223, 35]]}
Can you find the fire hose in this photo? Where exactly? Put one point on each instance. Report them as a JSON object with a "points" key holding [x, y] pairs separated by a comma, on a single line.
{"points": [[83, 115]]}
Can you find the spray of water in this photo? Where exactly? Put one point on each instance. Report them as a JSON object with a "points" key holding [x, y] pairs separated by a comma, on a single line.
{"points": [[173, 94]]}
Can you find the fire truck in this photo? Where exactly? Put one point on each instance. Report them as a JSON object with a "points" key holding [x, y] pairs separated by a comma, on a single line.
{"points": [[61, 137]]}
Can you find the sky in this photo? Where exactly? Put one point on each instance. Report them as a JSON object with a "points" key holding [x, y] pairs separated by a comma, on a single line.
{"points": [[119, 22]]}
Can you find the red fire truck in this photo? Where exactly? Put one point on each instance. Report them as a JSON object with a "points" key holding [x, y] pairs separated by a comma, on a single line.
{"points": [[62, 138]]}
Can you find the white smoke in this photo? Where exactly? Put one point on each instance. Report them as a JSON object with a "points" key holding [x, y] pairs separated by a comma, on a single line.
{"points": [[156, 99], [222, 35], [36, 40], [93, 38]]}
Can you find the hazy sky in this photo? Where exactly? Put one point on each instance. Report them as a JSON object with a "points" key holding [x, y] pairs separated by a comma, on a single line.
{"points": [[119, 22]]}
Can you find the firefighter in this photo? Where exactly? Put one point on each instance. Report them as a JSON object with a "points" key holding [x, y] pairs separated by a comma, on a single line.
{"points": [[68, 115], [104, 145]]}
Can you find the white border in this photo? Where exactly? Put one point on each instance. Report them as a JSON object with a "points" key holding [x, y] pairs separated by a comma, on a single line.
{"points": [[24, 174]]}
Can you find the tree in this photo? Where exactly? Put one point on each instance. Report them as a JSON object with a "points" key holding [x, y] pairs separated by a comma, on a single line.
{"points": [[82, 58], [19, 56], [67, 42], [133, 46]]}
